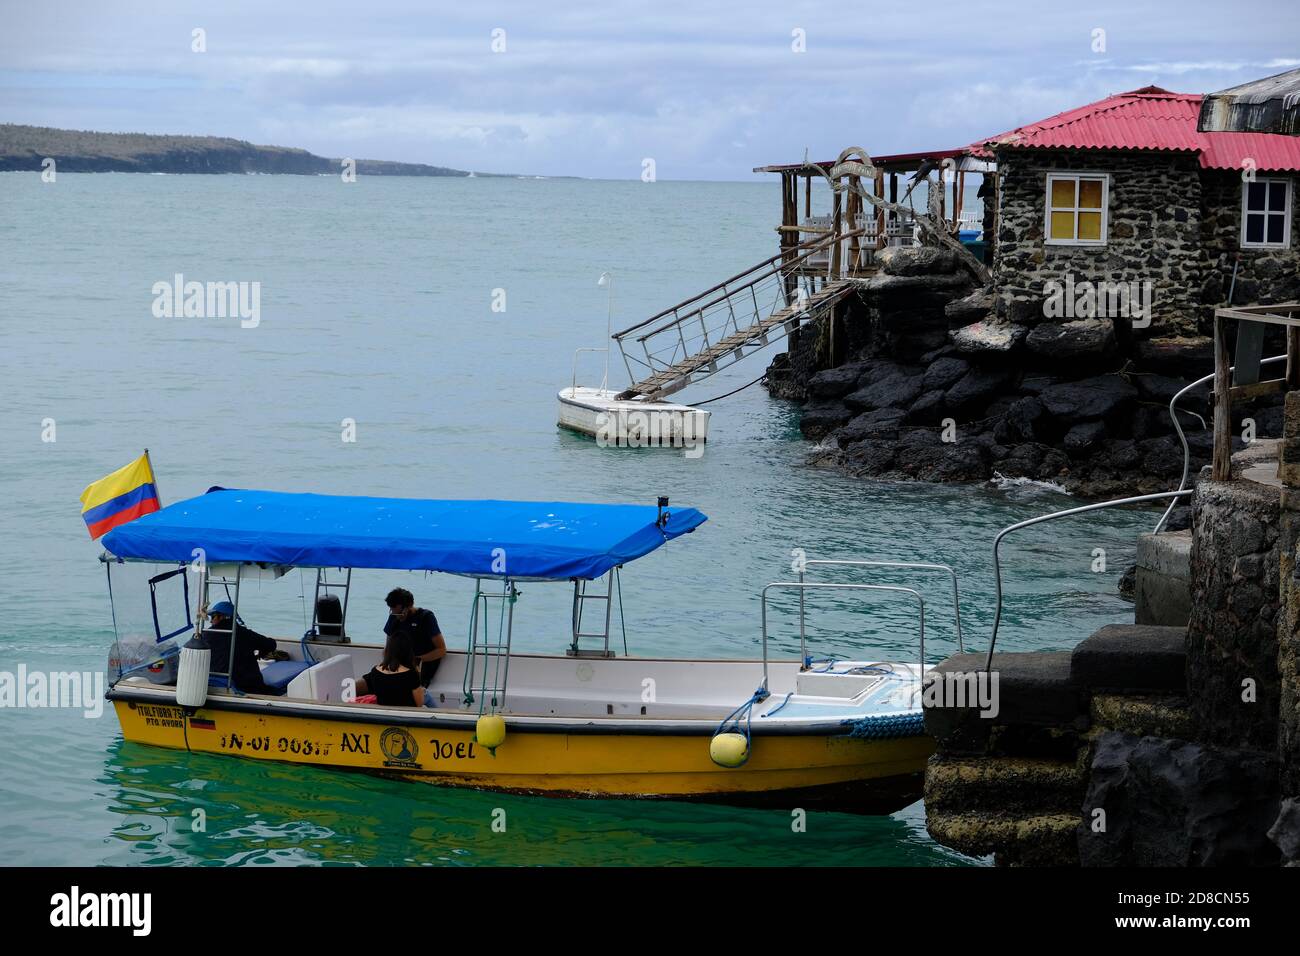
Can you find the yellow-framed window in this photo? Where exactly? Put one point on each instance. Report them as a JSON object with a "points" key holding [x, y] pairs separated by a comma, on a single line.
{"points": [[1076, 208]]}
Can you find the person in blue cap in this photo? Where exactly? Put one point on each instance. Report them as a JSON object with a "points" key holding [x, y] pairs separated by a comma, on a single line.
{"points": [[247, 676]]}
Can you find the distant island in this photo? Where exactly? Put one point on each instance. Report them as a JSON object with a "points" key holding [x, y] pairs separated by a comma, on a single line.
{"points": [[23, 148]]}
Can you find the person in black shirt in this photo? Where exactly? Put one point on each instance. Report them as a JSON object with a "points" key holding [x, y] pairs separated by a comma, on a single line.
{"points": [[421, 628], [248, 645], [396, 681]]}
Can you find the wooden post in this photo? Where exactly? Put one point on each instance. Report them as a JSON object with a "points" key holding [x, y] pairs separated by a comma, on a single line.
{"points": [[1292, 357], [852, 214], [958, 197], [991, 233], [837, 226], [807, 197], [1222, 463], [880, 213]]}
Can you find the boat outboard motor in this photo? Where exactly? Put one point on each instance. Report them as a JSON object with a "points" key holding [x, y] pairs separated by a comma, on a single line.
{"points": [[329, 619], [192, 674]]}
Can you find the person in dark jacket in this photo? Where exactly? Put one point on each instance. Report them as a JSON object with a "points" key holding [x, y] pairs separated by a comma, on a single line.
{"points": [[248, 646]]}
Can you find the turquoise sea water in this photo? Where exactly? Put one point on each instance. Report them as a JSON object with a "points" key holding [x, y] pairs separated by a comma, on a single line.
{"points": [[376, 306]]}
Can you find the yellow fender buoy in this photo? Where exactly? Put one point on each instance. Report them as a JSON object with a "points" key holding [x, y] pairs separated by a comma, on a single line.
{"points": [[490, 731], [729, 750]]}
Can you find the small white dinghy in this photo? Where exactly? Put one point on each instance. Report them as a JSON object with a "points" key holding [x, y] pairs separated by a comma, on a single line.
{"points": [[627, 420], [632, 423]]}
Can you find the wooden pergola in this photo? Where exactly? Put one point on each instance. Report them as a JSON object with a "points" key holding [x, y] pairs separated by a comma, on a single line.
{"points": [[846, 211], [1242, 379]]}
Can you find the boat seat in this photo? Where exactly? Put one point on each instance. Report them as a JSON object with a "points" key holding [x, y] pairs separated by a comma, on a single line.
{"points": [[278, 674], [322, 681]]}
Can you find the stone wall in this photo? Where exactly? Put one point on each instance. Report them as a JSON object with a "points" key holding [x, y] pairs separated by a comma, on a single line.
{"points": [[1154, 233], [1232, 633], [1288, 630], [912, 378]]}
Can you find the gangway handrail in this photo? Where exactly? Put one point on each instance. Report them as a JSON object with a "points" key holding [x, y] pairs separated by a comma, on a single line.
{"points": [[1187, 452], [802, 586], [727, 293], [764, 265], [997, 541], [909, 565]]}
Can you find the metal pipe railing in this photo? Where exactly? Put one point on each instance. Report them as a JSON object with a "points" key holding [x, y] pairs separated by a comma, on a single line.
{"points": [[769, 271], [1187, 453], [997, 542], [579, 351], [801, 587], [764, 265], [909, 565]]}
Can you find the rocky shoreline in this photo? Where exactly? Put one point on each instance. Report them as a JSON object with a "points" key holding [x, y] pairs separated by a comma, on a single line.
{"points": [[917, 379], [25, 148]]}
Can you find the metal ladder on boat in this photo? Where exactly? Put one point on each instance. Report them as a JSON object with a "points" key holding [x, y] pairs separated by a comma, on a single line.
{"points": [[702, 335], [581, 595], [488, 667], [326, 587]]}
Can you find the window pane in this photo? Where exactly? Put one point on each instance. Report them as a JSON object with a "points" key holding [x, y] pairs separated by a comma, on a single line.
{"points": [[1062, 225], [1062, 194], [1255, 195], [1254, 227], [1090, 225], [1090, 194], [1275, 224], [1277, 196]]}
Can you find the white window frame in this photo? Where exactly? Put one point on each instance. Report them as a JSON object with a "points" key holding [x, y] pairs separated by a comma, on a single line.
{"points": [[1104, 179], [1286, 215]]}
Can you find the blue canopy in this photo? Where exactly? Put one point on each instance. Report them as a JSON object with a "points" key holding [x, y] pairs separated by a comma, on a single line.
{"points": [[517, 539]]}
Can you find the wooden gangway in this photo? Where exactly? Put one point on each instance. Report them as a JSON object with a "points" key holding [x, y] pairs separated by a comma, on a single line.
{"points": [[740, 315]]}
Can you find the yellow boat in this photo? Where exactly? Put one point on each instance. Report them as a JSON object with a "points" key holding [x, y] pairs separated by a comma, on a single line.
{"points": [[798, 733]]}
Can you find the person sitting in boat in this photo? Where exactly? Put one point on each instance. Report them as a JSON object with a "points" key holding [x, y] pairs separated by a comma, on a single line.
{"points": [[395, 682], [248, 645], [421, 628]]}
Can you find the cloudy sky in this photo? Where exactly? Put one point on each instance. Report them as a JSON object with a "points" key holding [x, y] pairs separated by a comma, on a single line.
{"points": [[708, 90]]}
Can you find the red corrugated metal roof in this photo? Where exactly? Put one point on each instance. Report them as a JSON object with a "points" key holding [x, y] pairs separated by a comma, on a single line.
{"points": [[1150, 118]]}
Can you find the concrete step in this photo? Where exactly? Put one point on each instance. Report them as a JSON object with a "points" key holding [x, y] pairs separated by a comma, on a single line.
{"points": [[1162, 589], [1005, 784], [1037, 709], [1032, 839], [1132, 659], [1154, 716]]}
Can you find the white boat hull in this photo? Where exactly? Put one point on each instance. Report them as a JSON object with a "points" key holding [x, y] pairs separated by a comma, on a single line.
{"points": [[632, 424]]}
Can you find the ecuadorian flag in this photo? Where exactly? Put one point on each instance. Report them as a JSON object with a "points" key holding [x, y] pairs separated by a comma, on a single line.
{"points": [[123, 496]]}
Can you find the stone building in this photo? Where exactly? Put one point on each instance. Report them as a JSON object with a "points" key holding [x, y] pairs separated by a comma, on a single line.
{"points": [[1112, 232], [1128, 191]]}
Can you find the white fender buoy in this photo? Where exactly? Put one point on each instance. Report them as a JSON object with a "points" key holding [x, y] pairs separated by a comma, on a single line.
{"points": [[192, 673], [729, 750]]}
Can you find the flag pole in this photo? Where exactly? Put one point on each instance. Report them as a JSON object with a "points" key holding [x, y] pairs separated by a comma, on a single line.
{"points": [[155, 477]]}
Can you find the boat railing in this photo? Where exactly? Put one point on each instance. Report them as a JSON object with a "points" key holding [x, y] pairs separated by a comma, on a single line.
{"points": [[1178, 426], [579, 351], [803, 586], [897, 565], [1051, 516]]}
